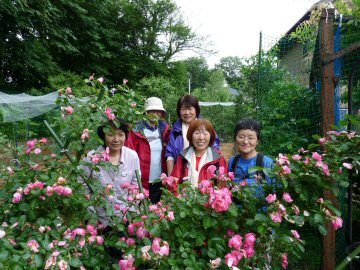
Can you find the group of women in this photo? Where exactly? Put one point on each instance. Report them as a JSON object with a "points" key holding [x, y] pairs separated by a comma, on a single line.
{"points": [[185, 151]]}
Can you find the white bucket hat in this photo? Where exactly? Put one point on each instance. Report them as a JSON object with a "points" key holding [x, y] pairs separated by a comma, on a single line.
{"points": [[154, 104]]}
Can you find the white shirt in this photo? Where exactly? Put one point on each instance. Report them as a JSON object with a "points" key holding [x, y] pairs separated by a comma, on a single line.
{"points": [[155, 143]]}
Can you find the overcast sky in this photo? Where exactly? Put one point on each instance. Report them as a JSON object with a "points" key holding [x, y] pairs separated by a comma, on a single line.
{"points": [[234, 25]]}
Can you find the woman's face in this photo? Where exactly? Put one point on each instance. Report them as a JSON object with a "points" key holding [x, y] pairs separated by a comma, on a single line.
{"points": [[246, 141], [201, 138], [115, 139], [187, 114]]}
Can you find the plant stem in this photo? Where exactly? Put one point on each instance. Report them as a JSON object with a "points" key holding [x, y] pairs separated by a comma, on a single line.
{"points": [[348, 259]]}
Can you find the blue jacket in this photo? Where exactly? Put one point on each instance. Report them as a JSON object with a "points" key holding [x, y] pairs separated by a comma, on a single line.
{"points": [[176, 141]]}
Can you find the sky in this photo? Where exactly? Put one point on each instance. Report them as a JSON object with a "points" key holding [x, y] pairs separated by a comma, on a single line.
{"points": [[234, 26]]}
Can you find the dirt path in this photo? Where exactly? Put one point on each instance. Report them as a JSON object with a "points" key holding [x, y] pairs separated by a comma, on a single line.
{"points": [[227, 150]]}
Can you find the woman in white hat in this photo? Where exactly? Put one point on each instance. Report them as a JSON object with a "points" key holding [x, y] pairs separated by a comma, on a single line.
{"points": [[149, 139]]}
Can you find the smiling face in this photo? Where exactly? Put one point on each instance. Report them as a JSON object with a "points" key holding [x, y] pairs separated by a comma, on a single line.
{"points": [[246, 141], [200, 140], [187, 114], [115, 139]]}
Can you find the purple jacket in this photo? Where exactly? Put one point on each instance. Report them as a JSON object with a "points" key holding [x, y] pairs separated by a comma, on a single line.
{"points": [[176, 141]]}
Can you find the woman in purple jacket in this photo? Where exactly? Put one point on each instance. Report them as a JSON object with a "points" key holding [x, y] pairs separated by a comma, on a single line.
{"points": [[188, 109]]}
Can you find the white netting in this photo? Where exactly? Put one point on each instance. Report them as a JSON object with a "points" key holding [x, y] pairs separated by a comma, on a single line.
{"points": [[22, 106]]}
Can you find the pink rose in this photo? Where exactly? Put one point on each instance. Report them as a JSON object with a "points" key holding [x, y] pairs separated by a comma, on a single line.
{"points": [[62, 265], [69, 110], [295, 234], [33, 245], [296, 157], [43, 140], [156, 245], [37, 151], [287, 197], [100, 80], [316, 156], [220, 200], [320, 200], [322, 141], [68, 90], [215, 263], [337, 223], [249, 251], [125, 81], [99, 240], [127, 264], [171, 215], [284, 261], [233, 258], [164, 249], [296, 210], [17, 197], [130, 242], [348, 166], [271, 198], [235, 242], [205, 186], [286, 170], [276, 217], [211, 169], [250, 239], [67, 191]]}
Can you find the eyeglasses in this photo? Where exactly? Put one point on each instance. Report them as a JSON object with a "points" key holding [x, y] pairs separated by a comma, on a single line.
{"points": [[243, 138]]}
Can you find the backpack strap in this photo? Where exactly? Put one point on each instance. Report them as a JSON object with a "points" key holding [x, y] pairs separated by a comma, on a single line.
{"points": [[259, 163], [234, 163], [183, 165]]}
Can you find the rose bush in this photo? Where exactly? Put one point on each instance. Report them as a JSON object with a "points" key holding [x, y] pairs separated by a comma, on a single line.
{"points": [[46, 219]]}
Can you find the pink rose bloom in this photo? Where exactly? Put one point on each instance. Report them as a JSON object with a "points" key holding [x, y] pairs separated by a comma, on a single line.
{"points": [[284, 261], [33, 245], [95, 159], [99, 240], [69, 110], [295, 234], [320, 200], [220, 200], [156, 245], [106, 154], [322, 141], [59, 190], [141, 232], [78, 231], [296, 210], [127, 264], [62, 265], [271, 198], [100, 80], [286, 170], [130, 242], [317, 156], [348, 166], [296, 157], [337, 223], [91, 78], [326, 170], [10, 170], [68, 90], [91, 229], [43, 140], [215, 263], [67, 191], [306, 161], [164, 249], [35, 167], [230, 233], [37, 184], [231, 175], [131, 228], [249, 251], [125, 185], [125, 81], [205, 187], [287, 197], [235, 242], [85, 135], [82, 242], [276, 217], [37, 151], [282, 159], [233, 258], [17, 197], [211, 169], [250, 239], [171, 215]]}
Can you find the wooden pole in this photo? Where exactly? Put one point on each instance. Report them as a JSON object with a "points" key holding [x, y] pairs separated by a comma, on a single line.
{"points": [[327, 116]]}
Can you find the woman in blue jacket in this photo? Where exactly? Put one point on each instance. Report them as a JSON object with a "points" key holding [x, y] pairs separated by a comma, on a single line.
{"points": [[188, 109]]}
